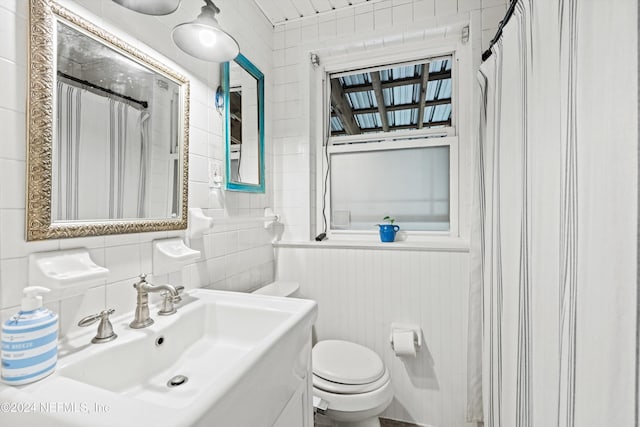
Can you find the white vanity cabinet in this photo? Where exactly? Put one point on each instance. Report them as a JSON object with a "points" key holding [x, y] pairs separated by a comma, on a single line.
{"points": [[299, 409]]}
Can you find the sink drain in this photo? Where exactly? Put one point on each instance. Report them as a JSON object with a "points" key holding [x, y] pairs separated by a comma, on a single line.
{"points": [[177, 380]]}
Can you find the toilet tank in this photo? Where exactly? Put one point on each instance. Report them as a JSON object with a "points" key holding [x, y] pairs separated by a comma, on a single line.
{"points": [[279, 288]]}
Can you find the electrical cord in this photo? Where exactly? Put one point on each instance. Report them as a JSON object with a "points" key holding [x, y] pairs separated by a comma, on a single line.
{"points": [[323, 235]]}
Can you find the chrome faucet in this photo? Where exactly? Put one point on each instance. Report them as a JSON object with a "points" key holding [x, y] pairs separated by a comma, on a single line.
{"points": [[105, 328], [142, 319], [168, 308]]}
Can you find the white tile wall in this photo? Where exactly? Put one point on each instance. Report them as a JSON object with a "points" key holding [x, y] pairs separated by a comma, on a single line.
{"points": [[385, 23], [242, 262]]}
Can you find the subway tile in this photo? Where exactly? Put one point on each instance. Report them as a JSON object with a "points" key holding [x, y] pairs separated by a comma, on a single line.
{"points": [[346, 26], [364, 22], [93, 242], [327, 30], [292, 36], [146, 257], [13, 125], [123, 262], [278, 58], [13, 243], [232, 265], [121, 239], [216, 268], [198, 194], [13, 33], [199, 115], [74, 309], [402, 14], [121, 296], [13, 86], [193, 275], [198, 141], [423, 9], [309, 33], [198, 168], [383, 18], [292, 55], [446, 7], [14, 278], [469, 5], [12, 175], [11, 5], [279, 37]]}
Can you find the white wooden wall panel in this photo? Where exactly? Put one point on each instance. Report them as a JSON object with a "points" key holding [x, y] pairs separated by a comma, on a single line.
{"points": [[361, 292]]}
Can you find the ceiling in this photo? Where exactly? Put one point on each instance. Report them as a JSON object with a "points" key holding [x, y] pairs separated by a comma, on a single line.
{"points": [[281, 11]]}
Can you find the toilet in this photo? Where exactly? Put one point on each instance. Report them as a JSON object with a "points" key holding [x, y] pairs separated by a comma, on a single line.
{"points": [[351, 384]]}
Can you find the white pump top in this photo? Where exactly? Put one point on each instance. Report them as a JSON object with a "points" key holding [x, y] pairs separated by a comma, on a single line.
{"points": [[32, 300]]}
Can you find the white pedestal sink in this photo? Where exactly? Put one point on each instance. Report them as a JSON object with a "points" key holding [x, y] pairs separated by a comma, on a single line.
{"points": [[246, 360]]}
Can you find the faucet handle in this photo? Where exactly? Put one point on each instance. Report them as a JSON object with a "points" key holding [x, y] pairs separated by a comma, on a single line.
{"points": [[168, 301], [105, 329], [143, 279], [166, 295]]}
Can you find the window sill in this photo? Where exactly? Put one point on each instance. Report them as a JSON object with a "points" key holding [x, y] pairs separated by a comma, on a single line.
{"points": [[444, 245]]}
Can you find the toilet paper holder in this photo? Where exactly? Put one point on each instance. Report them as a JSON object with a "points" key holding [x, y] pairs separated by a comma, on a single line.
{"points": [[404, 327]]}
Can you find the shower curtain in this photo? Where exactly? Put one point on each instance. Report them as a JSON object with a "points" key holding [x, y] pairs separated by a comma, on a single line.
{"points": [[100, 157], [553, 291]]}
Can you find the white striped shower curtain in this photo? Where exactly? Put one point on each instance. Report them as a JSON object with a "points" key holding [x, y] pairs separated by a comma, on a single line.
{"points": [[100, 157], [553, 296]]}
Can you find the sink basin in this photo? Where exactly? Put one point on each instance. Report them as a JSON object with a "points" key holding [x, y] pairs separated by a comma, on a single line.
{"points": [[220, 355]]}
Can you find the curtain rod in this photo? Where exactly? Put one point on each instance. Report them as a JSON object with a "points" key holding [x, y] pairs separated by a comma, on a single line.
{"points": [[144, 104], [512, 7]]}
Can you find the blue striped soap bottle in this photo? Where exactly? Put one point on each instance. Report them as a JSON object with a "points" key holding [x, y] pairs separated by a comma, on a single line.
{"points": [[29, 341]]}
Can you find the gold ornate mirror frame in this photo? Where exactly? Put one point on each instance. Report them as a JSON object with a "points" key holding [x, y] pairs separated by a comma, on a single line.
{"points": [[40, 120]]}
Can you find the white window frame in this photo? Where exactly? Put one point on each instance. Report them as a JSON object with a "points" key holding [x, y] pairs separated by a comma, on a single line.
{"points": [[386, 141], [393, 144]]}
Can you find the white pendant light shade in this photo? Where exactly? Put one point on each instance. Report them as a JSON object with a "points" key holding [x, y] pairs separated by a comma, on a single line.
{"points": [[150, 7], [204, 39]]}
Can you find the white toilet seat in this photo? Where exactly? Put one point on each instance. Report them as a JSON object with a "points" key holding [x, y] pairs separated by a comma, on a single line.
{"points": [[346, 362], [339, 388], [351, 378]]}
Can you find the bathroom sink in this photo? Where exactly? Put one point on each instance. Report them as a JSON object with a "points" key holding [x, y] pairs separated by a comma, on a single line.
{"points": [[219, 355]]}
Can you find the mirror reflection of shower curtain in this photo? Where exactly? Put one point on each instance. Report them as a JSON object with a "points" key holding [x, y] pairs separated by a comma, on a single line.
{"points": [[100, 165]]}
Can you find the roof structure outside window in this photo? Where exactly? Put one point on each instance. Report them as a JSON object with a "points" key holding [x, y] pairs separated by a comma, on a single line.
{"points": [[397, 97]]}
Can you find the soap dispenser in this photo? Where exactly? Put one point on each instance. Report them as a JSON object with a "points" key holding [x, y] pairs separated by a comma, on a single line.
{"points": [[29, 340]]}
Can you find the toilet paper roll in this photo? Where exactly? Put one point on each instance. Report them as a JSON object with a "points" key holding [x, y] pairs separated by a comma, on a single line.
{"points": [[403, 343]]}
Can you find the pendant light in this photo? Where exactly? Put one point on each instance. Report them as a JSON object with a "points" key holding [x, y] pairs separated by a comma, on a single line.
{"points": [[151, 7], [203, 37]]}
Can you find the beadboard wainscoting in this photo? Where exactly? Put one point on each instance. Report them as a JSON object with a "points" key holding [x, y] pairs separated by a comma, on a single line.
{"points": [[360, 292]]}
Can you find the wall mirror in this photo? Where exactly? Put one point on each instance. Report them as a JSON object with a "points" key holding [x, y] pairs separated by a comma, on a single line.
{"points": [[243, 86], [107, 132]]}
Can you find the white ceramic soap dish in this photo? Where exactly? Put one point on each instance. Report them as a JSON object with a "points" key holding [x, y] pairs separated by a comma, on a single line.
{"points": [[69, 271], [170, 255]]}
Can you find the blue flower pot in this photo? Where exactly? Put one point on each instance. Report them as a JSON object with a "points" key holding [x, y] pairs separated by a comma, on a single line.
{"points": [[388, 232]]}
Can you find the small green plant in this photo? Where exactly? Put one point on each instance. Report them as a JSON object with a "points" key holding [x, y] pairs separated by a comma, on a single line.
{"points": [[389, 219]]}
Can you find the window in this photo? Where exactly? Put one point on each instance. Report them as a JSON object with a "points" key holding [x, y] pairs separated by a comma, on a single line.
{"points": [[392, 148]]}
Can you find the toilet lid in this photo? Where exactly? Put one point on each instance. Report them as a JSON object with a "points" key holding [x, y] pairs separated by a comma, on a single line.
{"points": [[346, 362], [339, 388]]}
